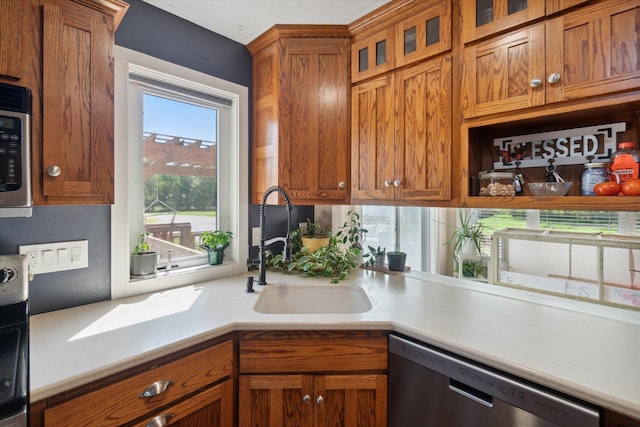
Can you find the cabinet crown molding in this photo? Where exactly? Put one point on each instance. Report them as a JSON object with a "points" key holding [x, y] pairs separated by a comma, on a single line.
{"points": [[295, 31]]}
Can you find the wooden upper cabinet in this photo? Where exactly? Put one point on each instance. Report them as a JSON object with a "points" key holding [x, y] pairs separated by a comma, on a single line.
{"points": [[372, 139], [500, 74], [372, 55], [588, 52], [77, 106], [300, 115], [412, 33], [482, 18], [424, 34], [401, 134], [423, 131], [11, 48], [594, 51]]}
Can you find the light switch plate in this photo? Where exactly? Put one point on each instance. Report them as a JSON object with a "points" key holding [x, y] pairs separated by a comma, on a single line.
{"points": [[56, 256]]}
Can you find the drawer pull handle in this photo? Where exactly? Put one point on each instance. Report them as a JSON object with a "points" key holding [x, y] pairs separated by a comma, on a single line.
{"points": [[54, 171], [535, 82], [320, 400], [397, 183], [387, 183], [160, 420], [156, 388], [553, 78], [341, 185], [306, 399]]}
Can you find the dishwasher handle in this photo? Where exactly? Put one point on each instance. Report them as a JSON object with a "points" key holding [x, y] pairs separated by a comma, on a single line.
{"points": [[471, 393]]}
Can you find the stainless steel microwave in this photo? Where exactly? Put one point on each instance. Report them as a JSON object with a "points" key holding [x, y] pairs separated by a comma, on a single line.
{"points": [[15, 151]]}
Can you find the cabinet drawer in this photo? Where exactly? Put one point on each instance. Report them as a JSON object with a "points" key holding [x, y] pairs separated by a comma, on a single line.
{"points": [[272, 352], [212, 407], [121, 402]]}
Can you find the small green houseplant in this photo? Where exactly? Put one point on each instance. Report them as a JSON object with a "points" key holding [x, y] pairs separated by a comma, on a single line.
{"points": [[215, 242], [468, 238], [312, 236], [144, 262], [375, 257]]}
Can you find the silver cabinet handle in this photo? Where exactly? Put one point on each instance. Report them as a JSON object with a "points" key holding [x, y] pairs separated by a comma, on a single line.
{"points": [[160, 420], [306, 399], [387, 183], [341, 185], [397, 183], [553, 78], [320, 400], [156, 388], [54, 170], [535, 82]]}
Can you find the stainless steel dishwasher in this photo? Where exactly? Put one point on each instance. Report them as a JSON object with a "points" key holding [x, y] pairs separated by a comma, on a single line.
{"points": [[430, 387]]}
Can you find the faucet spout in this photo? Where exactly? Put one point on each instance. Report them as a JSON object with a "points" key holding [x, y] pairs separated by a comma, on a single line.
{"points": [[262, 279]]}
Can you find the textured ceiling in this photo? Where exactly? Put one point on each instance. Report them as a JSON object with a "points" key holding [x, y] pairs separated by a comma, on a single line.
{"points": [[244, 20]]}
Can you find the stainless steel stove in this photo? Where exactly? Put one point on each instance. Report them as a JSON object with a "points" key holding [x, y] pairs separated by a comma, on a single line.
{"points": [[14, 341]]}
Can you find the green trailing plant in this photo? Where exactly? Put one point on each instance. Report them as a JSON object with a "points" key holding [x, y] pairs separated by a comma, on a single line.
{"points": [[215, 240], [471, 268], [336, 260], [142, 246]]}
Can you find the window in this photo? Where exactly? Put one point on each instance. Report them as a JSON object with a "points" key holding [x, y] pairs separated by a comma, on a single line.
{"points": [[181, 169]]}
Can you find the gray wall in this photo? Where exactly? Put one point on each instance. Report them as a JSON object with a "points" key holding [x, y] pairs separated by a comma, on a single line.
{"points": [[154, 32]]}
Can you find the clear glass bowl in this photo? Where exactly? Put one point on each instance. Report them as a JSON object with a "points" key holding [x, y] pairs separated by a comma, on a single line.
{"points": [[549, 188]]}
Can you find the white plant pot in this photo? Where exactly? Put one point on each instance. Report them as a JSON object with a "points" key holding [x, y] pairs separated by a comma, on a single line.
{"points": [[468, 247]]}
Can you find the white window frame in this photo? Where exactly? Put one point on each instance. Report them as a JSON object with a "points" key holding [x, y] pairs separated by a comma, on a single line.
{"points": [[122, 226]]}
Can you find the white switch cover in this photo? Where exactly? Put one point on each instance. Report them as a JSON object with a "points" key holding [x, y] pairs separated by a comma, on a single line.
{"points": [[57, 256]]}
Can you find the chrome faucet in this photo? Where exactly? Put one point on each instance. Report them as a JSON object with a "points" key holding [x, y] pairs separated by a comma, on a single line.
{"points": [[262, 280]]}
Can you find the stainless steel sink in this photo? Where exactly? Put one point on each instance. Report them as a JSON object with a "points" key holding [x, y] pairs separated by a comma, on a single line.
{"points": [[312, 299]]}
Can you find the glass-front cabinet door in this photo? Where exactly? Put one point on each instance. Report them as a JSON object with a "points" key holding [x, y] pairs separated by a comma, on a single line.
{"points": [[424, 34], [485, 17], [372, 55]]}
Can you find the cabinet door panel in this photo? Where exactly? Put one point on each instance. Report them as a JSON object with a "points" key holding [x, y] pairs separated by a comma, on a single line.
{"points": [[423, 131], [77, 104], [372, 55], [275, 400], [482, 18], [314, 127], [596, 51], [372, 136], [11, 15], [498, 73], [350, 401]]}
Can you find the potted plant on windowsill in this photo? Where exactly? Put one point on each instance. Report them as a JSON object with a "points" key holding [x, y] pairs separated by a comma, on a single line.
{"points": [[467, 239], [312, 236], [215, 242], [375, 257], [144, 262]]}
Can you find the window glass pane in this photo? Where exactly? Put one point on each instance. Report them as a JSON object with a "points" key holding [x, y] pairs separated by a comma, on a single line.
{"points": [[380, 223], [381, 52], [484, 12], [180, 174], [410, 40], [433, 31], [516, 6], [363, 59]]}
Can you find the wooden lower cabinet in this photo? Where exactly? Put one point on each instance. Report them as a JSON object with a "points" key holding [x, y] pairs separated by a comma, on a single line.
{"points": [[191, 388], [313, 400]]}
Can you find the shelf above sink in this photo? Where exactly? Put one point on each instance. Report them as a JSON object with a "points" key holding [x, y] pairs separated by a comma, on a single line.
{"points": [[312, 299]]}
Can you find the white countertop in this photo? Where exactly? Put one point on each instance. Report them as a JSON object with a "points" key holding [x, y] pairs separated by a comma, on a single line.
{"points": [[592, 357]]}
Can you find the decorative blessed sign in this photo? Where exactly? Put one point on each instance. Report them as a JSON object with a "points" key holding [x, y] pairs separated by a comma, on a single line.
{"points": [[566, 147]]}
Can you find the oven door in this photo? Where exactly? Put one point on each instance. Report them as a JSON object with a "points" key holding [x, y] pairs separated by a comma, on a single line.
{"points": [[13, 371], [18, 419]]}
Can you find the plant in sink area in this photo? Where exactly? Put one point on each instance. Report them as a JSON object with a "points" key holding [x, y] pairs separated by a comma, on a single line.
{"points": [[215, 242], [312, 236], [334, 260]]}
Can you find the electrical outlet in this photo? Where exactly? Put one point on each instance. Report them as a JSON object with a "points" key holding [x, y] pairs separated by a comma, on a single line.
{"points": [[55, 256], [32, 261]]}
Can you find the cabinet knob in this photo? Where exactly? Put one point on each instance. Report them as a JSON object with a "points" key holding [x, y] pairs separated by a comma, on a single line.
{"points": [[553, 78], [160, 420], [387, 183], [320, 400], [341, 185], [306, 399], [156, 388], [535, 82], [397, 183], [54, 171]]}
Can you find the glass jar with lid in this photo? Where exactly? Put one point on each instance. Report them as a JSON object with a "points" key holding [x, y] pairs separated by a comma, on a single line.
{"points": [[594, 173], [497, 183]]}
